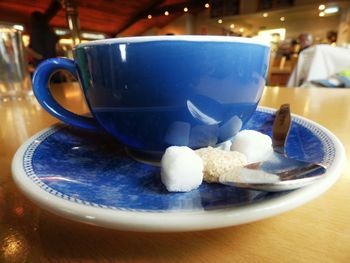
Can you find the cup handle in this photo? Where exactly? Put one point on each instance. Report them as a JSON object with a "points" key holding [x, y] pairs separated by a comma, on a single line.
{"points": [[41, 90]]}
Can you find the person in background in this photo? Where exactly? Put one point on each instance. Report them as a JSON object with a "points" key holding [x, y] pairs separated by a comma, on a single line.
{"points": [[305, 41], [332, 37], [287, 48], [43, 40]]}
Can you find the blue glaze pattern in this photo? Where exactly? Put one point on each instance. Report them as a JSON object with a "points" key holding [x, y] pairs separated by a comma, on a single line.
{"points": [[91, 168]]}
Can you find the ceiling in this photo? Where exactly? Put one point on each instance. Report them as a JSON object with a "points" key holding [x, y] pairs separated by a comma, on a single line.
{"points": [[124, 17], [129, 17]]}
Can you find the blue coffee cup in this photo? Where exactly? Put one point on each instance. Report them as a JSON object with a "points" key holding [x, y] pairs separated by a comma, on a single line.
{"points": [[154, 92]]}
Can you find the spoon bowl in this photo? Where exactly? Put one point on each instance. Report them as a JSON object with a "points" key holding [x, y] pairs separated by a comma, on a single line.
{"points": [[278, 172]]}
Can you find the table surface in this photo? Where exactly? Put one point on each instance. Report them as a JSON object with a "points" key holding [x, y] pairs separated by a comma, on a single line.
{"points": [[316, 232]]}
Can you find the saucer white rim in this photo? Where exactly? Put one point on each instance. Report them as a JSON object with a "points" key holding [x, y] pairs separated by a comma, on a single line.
{"points": [[177, 221], [193, 38]]}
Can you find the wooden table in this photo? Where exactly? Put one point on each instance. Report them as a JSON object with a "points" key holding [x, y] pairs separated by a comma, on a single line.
{"points": [[316, 232]]}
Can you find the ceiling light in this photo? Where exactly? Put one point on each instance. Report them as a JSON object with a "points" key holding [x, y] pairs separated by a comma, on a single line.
{"points": [[149, 16], [61, 32], [220, 21], [321, 7], [206, 5], [265, 14], [282, 18], [18, 27], [331, 10], [166, 13], [66, 41], [185, 9], [232, 26], [88, 35], [321, 14]]}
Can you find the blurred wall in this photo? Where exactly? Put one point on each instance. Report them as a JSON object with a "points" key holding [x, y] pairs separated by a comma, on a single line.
{"points": [[180, 26], [187, 24], [344, 29], [318, 27]]}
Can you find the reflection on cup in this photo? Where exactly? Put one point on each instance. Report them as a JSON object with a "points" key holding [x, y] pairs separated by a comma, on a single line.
{"points": [[230, 128], [203, 135], [178, 134], [205, 110]]}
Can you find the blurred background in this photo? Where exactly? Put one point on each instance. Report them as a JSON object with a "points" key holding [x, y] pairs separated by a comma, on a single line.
{"points": [[33, 30]]}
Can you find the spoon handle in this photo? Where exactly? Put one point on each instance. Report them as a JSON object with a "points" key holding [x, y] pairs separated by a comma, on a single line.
{"points": [[280, 128]]}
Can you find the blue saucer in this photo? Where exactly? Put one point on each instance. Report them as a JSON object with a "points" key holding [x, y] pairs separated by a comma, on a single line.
{"points": [[92, 170]]}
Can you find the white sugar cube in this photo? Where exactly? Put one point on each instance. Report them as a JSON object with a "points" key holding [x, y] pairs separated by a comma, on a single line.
{"points": [[181, 169], [256, 146]]}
